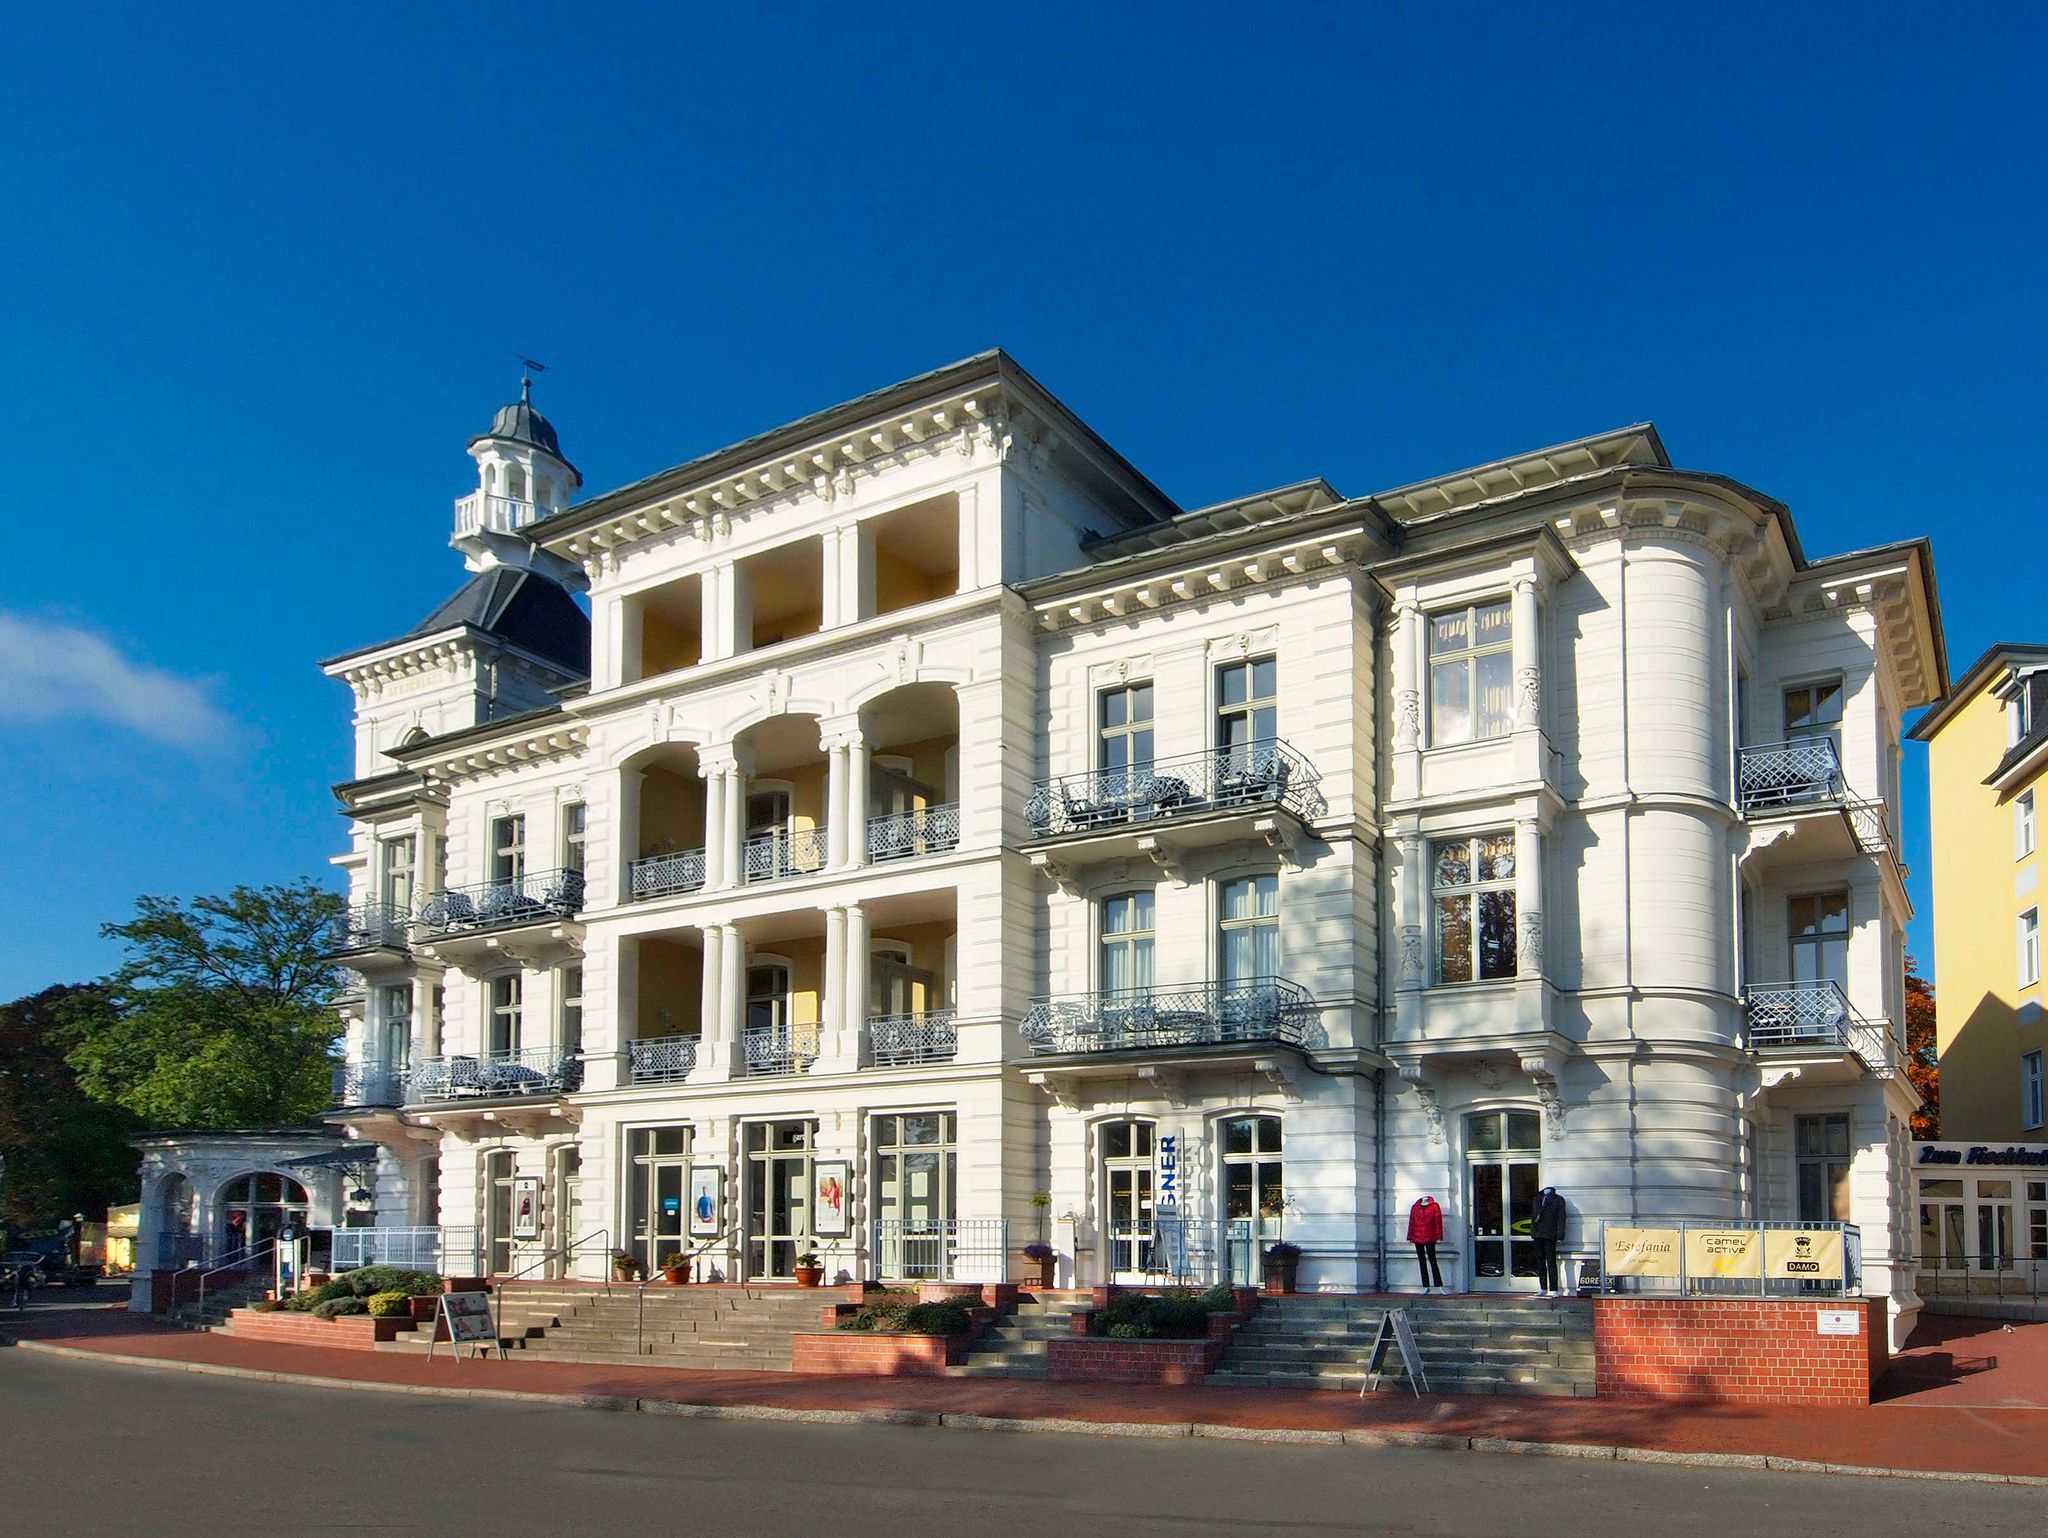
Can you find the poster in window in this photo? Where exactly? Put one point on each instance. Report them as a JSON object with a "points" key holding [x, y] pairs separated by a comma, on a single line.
{"points": [[830, 1179], [707, 1183], [526, 1207]]}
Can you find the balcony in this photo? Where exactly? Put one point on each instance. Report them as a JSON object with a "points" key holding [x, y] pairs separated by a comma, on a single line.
{"points": [[780, 1049], [480, 512], [1804, 776], [1812, 1019], [368, 1086], [537, 897], [782, 854], [532, 1073], [900, 1041], [1202, 797], [371, 926], [662, 1059], [1257, 1010], [906, 835], [666, 875]]}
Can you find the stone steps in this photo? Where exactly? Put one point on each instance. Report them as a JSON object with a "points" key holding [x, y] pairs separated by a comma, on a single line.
{"points": [[733, 1329], [1015, 1347]]}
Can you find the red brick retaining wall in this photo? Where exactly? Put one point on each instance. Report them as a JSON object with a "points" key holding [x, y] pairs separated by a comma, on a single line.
{"points": [[856, 1352], [351, 1332], [1096, 1359], [1747, 1350]]}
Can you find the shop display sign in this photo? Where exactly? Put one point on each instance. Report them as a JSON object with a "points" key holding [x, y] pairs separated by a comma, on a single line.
{"points": [[1642, 1252], [829, 1210], [466, 1317], [526, 1207], [706, 1189], [1737, 1252], [1168, 1198], [1803, 1254]]}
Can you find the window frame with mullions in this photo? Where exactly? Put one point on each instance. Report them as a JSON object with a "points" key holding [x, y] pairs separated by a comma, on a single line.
{"points": [[1469, 656], [1474, 892]]}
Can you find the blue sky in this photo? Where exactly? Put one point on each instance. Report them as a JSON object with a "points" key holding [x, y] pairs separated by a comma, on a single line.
{"points": [[261, 277]]}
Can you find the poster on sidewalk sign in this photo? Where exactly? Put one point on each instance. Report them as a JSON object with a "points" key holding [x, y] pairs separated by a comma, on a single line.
{"points": [[1736, 1252], [1642, 1252], [1803, 1254], [467, 1318]]}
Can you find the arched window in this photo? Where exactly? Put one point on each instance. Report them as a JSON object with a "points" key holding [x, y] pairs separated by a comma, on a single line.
{"points": [[255, 1208]]}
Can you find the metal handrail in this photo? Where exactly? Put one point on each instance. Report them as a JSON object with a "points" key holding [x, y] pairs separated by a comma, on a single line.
{"points": [[647, 1281], [784, 853], [235, 1260], [661, 1059], [1813, 1013], [1218, 779], [2021, 1276], [531, 898], [368, 1084], [1166, 1015], [773, 1050], [371, 926], [600, 1235]]}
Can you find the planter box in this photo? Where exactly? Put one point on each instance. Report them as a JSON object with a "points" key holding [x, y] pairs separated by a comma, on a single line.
{"points": [[352, 1332], [1738, 1350], [855, 1353]]}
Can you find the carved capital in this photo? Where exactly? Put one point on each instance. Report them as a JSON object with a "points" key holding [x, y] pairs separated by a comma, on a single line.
{"points": [[1407, 718], [1528, 698], [1529, 959], [1411, 956]]}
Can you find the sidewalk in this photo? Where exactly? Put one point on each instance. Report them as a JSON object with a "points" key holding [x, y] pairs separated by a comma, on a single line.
{"points": [[1968, 1401]]}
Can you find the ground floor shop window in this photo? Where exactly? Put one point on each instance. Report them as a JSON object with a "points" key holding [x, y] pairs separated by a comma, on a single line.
{"points": [[1821, 1147], [657, 1194], [1128, 1183], [255, 1208], [915, 1195], [1504, 1174], [1254, 1193], [498, 1168], [778, 1196]]}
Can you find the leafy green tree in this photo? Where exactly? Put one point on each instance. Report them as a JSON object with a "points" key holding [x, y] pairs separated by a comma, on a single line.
{"points": [[65, 1152], [222, 1015]]}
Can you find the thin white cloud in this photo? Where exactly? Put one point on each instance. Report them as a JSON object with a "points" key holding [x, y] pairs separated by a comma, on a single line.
{"points": [[51, 671]]}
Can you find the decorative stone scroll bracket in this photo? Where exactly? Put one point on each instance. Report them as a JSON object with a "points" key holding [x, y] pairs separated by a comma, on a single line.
{"points": [[1063, 1092], [1543, 1075], [1276, 1073], [1425, 1094], [1167, 1084], [1172, 862], [1061, 876]]}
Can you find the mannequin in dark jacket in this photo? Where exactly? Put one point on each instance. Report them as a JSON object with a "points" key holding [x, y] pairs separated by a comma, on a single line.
{"points": [[1425, 1228], [1547, 1229]]}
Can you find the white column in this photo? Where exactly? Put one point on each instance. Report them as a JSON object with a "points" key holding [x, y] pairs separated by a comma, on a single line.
{"points": [[838, 1041], [837, 825], [1529, 897], [713, 772], [853, 804], [712, 990], [732, 993], [732, 825], [1407, 696], [855, 1013], [831, 611], [1412, 900], [969, 550], [711, 606], [1528, 655]]}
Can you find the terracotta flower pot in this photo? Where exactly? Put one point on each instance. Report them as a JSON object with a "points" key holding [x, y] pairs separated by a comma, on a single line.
{"points": [[810, 1276], [676, 1275]]}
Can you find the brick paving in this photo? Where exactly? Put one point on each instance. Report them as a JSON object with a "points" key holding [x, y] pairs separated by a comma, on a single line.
{"points": [[1967, 1397]]}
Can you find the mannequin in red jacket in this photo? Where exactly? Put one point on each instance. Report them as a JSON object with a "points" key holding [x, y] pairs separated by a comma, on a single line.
{"points": [[1425, 1228]]}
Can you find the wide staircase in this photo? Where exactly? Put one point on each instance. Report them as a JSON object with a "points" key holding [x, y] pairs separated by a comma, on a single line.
{"points": [[1014, 1347], [1470, 1344], [224, 1294], [746, 1328]]}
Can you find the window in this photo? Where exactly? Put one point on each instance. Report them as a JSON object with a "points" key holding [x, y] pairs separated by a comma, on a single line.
{"points": [[1814, 710], [398, 874], [569, 991], [507, 1004], [1125, 955], [1819, 928], [1473, 880], [1248, 911], [2019, 716], [2030, 947], [1821, 1146], [916, 1178], [394, 1012], [1247, 705], [508, 850], [1124, 728], [575, 816], [1471, 674], [2023, 826], [2032, 1112], [767, 998]]}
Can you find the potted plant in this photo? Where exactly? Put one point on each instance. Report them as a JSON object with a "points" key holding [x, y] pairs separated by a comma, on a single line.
{"points": [[1041, 1255], [625, 1266], [810, 1270], [675, 1268], [1282, 1264]]}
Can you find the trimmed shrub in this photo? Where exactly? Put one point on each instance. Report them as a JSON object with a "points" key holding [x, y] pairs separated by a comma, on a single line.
{"points": [[1174, 1315], [265, 1306], [390, 1305], [947, 1317], [336, 1308], [310, 1299], [366, 1281], [902, 1314]]}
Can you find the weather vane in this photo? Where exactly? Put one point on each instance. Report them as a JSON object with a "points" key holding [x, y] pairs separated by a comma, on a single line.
{"points": [[528, 368]]}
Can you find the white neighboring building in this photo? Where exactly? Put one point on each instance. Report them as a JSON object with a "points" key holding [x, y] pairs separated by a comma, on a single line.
{"points": [[941, 801]]}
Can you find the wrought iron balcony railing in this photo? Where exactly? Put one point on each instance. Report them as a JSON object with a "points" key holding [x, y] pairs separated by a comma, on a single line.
{"points": [[667, 875], [1222, 779], [533, 898], [778, 1049], [896, 1041], [1775, 775], [363, 1085], [942, 1249], [663, 1059], [371, 926], [1812, 1016], [784, 853], [534, 1071], [904, 835], [500, 515], [1191, 1015]]}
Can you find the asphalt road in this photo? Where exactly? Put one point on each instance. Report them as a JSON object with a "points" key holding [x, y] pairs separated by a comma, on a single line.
{"points": [[93, 1449]]}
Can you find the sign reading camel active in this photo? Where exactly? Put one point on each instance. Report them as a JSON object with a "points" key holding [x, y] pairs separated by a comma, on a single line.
{"points": [[1737, 1252]]}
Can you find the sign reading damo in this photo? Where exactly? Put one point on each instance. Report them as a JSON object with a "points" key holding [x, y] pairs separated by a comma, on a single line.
{"points": [[1803, 1254]]}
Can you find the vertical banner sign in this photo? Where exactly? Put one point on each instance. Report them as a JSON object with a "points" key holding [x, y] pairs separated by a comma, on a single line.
{"points": [[1167, 1201]]}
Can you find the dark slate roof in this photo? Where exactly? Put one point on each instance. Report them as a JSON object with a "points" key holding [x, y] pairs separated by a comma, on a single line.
{"points": [[520, 423], [521, 607]]}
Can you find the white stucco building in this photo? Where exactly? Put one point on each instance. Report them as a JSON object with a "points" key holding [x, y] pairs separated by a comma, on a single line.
{"points": [[936, 810]]}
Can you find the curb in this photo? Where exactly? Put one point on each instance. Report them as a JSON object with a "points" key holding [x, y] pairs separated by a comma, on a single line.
{"points": [[1053, 1425]]}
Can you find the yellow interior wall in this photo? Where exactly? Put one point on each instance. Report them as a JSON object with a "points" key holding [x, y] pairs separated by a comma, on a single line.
{"points": [[671, 807], [671, 978], [806, 959], [927, 944], [1976, 916], [927, 760], [665, 646], [898, 584]]}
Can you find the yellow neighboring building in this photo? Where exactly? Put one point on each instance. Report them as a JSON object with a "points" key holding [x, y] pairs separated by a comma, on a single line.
{"points": [[1987, 749]]}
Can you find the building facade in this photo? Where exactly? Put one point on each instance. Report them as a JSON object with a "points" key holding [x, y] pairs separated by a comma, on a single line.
{"points": [[1987, 769], [943, 842]]}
